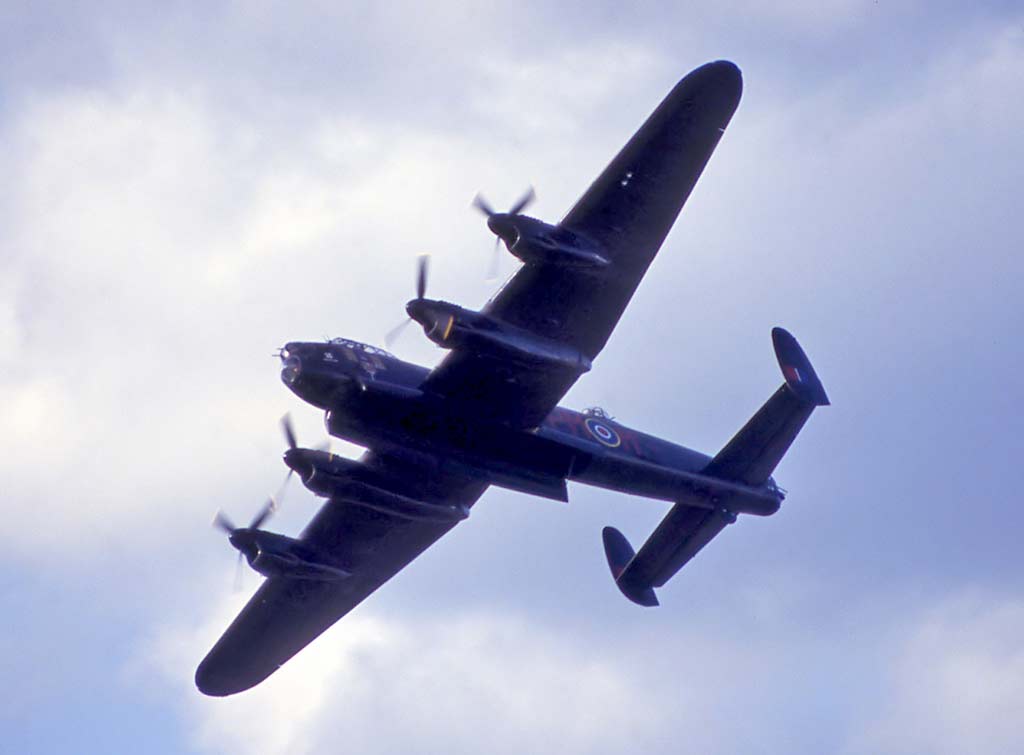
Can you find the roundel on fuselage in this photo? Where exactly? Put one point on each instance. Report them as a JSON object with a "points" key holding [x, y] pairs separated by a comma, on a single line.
{"points": [[603, 432]]}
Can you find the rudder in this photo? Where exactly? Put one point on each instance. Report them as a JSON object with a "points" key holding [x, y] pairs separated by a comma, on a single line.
{"points": [[620, 553]]}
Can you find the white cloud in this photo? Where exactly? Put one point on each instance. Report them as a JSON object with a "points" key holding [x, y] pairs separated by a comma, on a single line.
{"points": [[158, 244], [556, 92], [956, 683], [799, 17], [162, 246], [931, 677], [381, 684], [161, 249]]}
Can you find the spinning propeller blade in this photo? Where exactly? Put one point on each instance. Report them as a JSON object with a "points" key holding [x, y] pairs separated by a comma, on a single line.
{"points": [[279, 496], [524, 201], [421, 291], [289, 431], [395, 332], [237, 584], [263, 515], [421, 276], [484, 206], [521, 204], [481, 204], [221, 522], [493, 273]]}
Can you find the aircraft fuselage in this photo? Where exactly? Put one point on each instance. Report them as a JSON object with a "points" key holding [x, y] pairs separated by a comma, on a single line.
{"points": [[375, 400]]}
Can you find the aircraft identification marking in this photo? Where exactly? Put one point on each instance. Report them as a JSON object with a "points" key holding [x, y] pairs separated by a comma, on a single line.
{"points": [[604, 434]]}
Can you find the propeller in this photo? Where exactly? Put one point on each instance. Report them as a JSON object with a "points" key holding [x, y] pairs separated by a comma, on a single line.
{"points": [[524, 201], [291, 439], [289, 431], [484, 206], [221, 522], [421, 292], [421, 276]]}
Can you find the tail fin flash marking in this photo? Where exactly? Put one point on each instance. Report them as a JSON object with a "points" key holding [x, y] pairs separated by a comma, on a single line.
{"points": [[797, 369]]}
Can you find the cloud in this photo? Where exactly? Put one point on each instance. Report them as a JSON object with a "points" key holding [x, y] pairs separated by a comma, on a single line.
{"points": [[378, 684], [753, 674], [163, 244], [161, 249], [210, 183], [955, 683], [560, 90]]}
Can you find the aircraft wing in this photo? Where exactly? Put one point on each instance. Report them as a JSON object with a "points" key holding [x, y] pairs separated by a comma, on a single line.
{"points": [[287, 614], [628, 211]]}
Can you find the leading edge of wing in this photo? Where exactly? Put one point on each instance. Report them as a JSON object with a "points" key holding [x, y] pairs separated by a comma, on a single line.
{"points": [[631, 206]]}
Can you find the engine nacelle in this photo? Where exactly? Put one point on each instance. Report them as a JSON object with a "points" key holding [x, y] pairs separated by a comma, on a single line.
{"points": [[335, 477], [453, 327], [534, 241], [274, 555]]}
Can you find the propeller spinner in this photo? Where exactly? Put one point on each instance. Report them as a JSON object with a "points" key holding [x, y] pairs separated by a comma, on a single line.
{"points": [[296, 458], [241, 537], [500, 225]]}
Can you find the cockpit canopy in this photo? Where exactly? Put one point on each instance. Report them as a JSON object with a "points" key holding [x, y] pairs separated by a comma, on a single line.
{"points": [[362, 347]]}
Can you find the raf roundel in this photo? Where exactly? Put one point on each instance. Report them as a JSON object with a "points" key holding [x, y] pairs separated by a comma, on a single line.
{"points": [[603, 433]]}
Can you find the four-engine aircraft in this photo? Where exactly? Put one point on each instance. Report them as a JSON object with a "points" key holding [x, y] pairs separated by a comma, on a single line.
{"points": [[488, 413]]}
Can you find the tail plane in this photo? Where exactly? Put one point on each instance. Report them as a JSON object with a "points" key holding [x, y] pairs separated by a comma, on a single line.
{"points": [[746, 461]]}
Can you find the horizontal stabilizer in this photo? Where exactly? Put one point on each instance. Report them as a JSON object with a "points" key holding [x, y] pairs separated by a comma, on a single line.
{"points": [[683, 532], [754, 452], [619, 554]]}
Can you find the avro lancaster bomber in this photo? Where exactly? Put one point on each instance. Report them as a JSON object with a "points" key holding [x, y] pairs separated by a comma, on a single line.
{"points": [[488, 414]]}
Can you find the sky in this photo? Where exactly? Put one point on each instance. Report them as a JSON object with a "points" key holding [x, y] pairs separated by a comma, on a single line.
{"points": [[187, 186]]}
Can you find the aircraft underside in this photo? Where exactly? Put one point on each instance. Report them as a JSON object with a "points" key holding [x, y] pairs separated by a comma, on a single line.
{"points": [[488, 414]]}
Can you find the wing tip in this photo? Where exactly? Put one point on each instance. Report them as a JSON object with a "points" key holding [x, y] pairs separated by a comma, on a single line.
{"points": [[724, 68], [722, 74], [717, 85], [215, 681]]}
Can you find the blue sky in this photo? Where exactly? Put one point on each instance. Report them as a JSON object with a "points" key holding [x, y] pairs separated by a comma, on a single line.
{"points": [[186, 187]]}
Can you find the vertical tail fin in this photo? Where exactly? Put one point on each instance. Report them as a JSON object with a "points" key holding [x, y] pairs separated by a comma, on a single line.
{"points": [[797, 369], [620, 553]]}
